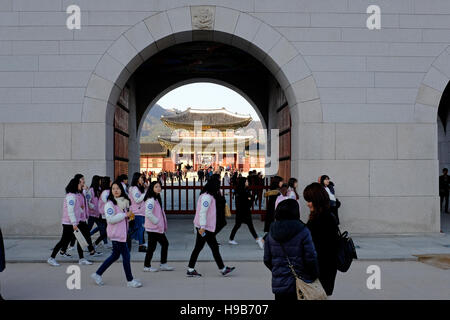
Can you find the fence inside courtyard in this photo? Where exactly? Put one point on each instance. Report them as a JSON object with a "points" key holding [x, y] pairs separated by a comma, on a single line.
{"points": [[180, 197]]}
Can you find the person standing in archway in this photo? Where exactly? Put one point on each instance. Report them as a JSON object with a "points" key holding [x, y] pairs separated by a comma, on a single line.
{"points": [[444, 182], [271, 197]]}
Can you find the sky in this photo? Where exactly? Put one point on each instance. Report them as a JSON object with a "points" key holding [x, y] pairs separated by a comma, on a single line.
{"points": [[203, 95]]}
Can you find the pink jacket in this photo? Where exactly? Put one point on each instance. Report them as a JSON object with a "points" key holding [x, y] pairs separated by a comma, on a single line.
{"points": [[205, 214], [137, 201], [117, 222], [279, 199], [155, 217], [72, 211]]}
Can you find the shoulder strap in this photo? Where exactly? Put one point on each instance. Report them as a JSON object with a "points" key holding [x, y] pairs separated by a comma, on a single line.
{"points": [[289, 262]]}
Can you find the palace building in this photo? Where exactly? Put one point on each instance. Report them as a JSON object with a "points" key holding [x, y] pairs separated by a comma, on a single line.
{"points": [[203, 138]]}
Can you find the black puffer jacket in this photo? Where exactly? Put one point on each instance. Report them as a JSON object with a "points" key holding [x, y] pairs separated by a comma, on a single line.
{"points": [[297, 242]]}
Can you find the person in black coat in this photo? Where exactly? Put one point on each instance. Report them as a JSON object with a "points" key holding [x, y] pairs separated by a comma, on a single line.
{"points": [[271, 197], [221, 220], [243, 211], [2, 256], [444, 182], [288, 232], [324, 231]]}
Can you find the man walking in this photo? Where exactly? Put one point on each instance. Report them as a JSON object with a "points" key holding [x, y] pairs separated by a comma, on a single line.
{"points": [[444, 181]]}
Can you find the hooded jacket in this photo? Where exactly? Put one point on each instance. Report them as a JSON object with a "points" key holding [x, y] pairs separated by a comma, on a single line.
{"points": [[298, 245]]}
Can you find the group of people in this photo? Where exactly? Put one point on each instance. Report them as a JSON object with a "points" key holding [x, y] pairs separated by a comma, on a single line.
{"points": [[311, 248], [121, 213]]}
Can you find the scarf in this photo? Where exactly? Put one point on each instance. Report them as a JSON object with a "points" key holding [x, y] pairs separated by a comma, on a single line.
{"points": [[123, 203]]}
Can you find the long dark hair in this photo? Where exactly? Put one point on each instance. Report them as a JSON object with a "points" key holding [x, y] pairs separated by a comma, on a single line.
{"points": [[105, 184], [152, 194], [95, 184], [212, 187], [72, 186], [323, 178], [122, 193], [291, 184], [316, 194], [134, 181], [78, 177], [275, 182]]}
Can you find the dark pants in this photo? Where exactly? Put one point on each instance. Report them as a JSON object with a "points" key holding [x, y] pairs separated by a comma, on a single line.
{"points": [[64, 242], [119, 248], [286, 296], [334, 211], [101, 225], [153, 239], [444, 197], [200, 241], [238, 224]]}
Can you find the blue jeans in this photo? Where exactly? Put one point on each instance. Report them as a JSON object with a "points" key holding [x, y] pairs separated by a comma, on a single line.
{"points": [[119, 248], [137, 232]]}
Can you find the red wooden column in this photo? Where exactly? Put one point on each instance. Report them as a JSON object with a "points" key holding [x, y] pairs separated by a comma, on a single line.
{"points": [[121, 134], [284, 125]]}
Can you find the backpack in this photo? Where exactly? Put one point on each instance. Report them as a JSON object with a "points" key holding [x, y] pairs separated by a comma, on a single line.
{"points": [[346, 251]]}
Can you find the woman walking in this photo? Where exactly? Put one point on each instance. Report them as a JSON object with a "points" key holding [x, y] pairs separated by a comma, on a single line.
{"points": [[324, 232], [101, 226], [117, 216], [156, 227], [205, 224], [243, 212], [137, 194], [92, 197], [72, 214], [289, 237]]}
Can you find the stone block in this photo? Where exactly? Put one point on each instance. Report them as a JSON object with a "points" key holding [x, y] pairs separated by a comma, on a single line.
{"points": [[141, 38], [369, 113], [442, 63], [281, 53], [436, 79], [88, 141], [69, 62], [327, 48], [417, 141], [51, 177], [428, 96], [391, 95], [84, 46], [17, 179], [58, 95], [94, 110], [35, 112], [424, 113], [315, 141], [101, 33], [366, 141], [336, 63], [56, 79], [18, 63], [284, 19], [303, 90], [41, 5], [125, 53], [295, 70], [343, 95], [110, 69], [2, 131], [398, 79], [382, 35], [37, 141], [351, 177], [16, 79], [159, 27], [310, 34], [21, 33], [310, 111], [15, 95], [403, 178], [225, 20]]}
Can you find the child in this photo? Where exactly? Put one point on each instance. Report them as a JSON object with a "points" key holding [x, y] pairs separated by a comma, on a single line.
{"points": [[117, 216], [156, 226]]}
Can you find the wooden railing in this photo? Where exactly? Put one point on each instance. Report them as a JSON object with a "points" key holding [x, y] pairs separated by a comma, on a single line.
{"points": [[172, 194]]}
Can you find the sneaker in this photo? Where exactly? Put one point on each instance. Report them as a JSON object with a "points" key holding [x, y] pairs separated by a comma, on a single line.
{"points": [[165, 267], [150, 269], [193, 274], [96, 254], [65, 254], [97, 278], [52, 262], [260, 243], [228, 270], [134, 284], [142, 249], [232, 242], [84, 261], [70, 248]]}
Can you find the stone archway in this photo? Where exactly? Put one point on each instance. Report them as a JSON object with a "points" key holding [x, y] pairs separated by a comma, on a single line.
{"points": [[192, 23]]}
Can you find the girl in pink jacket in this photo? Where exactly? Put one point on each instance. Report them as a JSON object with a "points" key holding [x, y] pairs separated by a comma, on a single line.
{"points": [[156, 226]]}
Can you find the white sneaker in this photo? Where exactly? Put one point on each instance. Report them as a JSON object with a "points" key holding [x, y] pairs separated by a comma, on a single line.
{"points": [[260, 243], [52, 262], [84, 261], [150, 269], [134, 284], [165, 267], [232, 242], [97, 278]]}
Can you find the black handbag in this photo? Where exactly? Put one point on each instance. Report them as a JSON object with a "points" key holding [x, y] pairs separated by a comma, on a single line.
{"points": [[346, 251]]}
